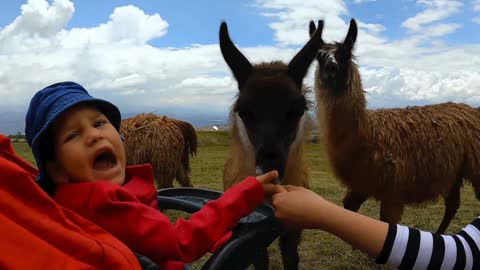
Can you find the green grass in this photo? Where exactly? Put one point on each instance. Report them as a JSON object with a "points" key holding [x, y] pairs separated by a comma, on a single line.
{"points": [[206, 138], [318, 250], [23, 150]]}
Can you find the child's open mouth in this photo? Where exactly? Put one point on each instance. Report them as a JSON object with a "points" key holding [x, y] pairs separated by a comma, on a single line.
{"points": [[105, 161]]}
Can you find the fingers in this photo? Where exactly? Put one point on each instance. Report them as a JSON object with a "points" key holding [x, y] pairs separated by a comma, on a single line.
{"points": [[280, 189], [268, 177], [271, 189], [292, 188]]}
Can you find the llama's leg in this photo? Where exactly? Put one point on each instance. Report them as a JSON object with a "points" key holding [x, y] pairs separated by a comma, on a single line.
{"points": [[476, 185], [261, 263], [162, 181], [183, 171], [452, 203], [391, 212], [164, 184], [183, 177], [353, 200], [289, 242]]}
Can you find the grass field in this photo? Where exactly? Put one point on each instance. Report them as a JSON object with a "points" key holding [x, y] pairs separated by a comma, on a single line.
{"points": [[318, 250]]}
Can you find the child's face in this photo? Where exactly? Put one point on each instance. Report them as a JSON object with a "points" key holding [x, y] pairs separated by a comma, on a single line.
{"points": [[88, 148]]}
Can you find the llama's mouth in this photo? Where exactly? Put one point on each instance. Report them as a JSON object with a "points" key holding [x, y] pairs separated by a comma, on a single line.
{"points": [[104, 161], [260, 171], [328, 77]]}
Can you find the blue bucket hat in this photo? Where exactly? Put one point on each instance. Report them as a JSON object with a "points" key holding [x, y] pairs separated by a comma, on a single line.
{"points": [[45, 107]]}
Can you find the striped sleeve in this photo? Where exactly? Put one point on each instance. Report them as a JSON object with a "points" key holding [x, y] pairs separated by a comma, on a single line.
{"points": [[408, 248]]}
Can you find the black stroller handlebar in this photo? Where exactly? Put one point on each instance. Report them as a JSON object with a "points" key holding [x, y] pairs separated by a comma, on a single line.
{"points": [[253, 234]]}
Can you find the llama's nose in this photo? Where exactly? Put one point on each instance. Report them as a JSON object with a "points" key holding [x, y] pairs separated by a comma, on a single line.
{"points": [[268, 155], [271, 156]]}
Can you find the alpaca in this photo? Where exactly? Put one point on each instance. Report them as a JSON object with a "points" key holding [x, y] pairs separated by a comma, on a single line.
{"points": [[269, 124], [397, 156], [164, 142]]}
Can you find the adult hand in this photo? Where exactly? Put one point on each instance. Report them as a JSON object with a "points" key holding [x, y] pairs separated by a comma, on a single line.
{"points": [[298, 207]]}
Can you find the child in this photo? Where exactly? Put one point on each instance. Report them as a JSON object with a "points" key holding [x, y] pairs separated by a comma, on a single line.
{"points": [[396, 245], [81, 159], [37, 233]]}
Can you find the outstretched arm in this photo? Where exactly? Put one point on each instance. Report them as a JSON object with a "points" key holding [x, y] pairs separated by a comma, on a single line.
{"points": [[304, 208], [396, 245], [149, 232]]}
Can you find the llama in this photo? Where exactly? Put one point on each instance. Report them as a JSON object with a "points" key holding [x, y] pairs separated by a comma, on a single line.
{"points": [[269, 124], [164, 142], [397, 156]]}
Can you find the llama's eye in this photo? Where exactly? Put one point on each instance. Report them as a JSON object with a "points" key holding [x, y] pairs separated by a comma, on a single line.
{"points": [[343, 55], [297, 109]]}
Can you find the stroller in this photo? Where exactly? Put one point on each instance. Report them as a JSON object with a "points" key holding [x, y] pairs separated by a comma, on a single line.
{"points": [[28, 215]]}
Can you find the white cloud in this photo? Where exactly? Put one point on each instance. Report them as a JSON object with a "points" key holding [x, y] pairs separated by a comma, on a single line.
{"points": [[386, 86], [291, 18], [127, 25], [40, 18], [441, 29], [208, 85], [113, 60], [371, 27], [404, 71], [476, 7], [362, 1], [435, 10]]}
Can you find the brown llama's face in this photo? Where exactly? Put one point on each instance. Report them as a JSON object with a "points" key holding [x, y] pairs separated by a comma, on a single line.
{"points": [[270, 109], [270, 116], [335, 61]]}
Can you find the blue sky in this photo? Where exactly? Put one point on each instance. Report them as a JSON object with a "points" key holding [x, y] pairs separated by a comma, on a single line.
{"points": [[196, 24], [164, 55], [199, 22]]}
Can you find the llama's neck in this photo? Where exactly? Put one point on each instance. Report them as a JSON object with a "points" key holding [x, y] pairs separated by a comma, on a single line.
{"points": [[240, 162], [296, 171], [343, 116]]}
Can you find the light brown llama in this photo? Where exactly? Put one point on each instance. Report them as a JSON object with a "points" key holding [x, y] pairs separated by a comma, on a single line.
{"points": [[397, 156], [164, 142], [269, 124]]}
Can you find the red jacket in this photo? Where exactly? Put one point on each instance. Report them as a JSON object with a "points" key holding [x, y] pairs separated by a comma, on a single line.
{"points": [[129, 213], [37, 233]]}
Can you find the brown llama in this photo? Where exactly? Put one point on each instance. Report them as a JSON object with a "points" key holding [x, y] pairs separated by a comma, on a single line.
{"points": [[269, 124], [164, 142], [397, 156]]}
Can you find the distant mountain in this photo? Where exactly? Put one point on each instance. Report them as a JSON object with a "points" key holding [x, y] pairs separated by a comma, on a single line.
{"points": [[196, 119], [13, 122]]}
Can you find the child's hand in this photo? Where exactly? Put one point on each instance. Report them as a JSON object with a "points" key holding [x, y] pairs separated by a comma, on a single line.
{"points": [[298, 207], [269, 188]]}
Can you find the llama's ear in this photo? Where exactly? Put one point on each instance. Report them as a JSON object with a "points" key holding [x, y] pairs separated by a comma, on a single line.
{"points": [[349, 41], [237, 62], [298, 66], [311, 28]]}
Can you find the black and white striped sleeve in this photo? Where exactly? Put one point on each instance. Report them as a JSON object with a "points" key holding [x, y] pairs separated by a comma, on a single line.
{"points": [[408, 248]]}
